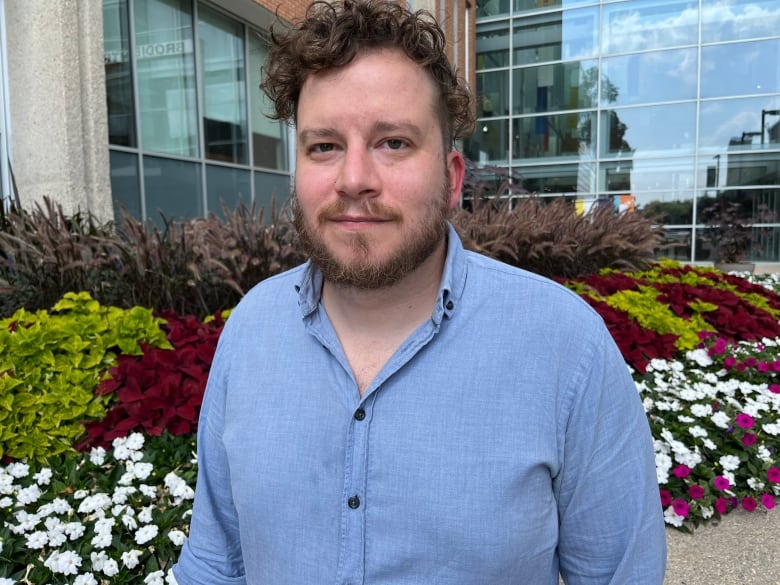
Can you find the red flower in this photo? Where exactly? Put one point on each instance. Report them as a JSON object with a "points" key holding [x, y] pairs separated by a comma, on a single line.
{"points": [[749, 503], [666, 498]]}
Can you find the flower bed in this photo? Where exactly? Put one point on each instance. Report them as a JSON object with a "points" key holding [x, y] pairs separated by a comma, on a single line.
{"points": [[116, 510]]}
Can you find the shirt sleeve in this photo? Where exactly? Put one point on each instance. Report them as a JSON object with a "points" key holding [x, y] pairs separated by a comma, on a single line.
{"points": [[611, 521], [212, 553]]}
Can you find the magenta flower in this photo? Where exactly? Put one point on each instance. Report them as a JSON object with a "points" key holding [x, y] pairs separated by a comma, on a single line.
{"points": [[681, 507], [666, 498], [696, 492], [776, 365], [681, 471], [751, 362], [745, 421], [774, 388], [763, 367], [721, 506], [773, 474], [768, 500], [722, 483], [720, 346], [749, 503], [729, 362], [749, 439]]}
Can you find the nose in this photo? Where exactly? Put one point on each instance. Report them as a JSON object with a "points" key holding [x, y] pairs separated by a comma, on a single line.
{"points": [[357, 177]]}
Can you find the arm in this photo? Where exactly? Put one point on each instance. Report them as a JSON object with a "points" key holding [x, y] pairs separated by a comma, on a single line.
{"points": [[212, 554], [611, 521]]}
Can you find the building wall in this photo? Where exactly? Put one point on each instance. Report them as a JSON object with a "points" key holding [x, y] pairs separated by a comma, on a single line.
{"points": [[57, 106]]}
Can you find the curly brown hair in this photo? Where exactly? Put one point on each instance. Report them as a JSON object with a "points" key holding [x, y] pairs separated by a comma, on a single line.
{"points": [[331, 34]]}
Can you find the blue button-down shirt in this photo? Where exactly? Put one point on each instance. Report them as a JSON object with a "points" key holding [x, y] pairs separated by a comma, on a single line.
{"points": [[503, 442]]}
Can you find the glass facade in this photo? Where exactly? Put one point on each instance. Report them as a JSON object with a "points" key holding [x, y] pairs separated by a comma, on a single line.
{"points": [[187, 129], [663, 105]]}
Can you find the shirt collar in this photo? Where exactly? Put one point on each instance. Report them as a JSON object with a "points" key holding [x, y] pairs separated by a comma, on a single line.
{"points": [[309, 287]]}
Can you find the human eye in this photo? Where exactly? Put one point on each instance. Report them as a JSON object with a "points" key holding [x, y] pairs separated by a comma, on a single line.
{"points": [[396, 143], [322, 147]]}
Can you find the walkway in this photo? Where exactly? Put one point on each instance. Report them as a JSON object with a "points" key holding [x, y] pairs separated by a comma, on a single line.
{"points": [[742, 549]]}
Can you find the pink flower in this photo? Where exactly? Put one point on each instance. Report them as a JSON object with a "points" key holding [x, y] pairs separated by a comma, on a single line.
{"points": [[681, 507], [729, 362], [666, 498], [749, 503], [749, 439], [751, 362], [745, 421], [681, 471], [773, 474], [720, 346], [721, 483], [768, 500], [721, 506], [774, 388], [763, 366], [776, 365], [696, 492]]}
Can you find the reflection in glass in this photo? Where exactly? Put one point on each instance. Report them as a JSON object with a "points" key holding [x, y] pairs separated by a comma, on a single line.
{"points": [[648, 24], [555, 87], [667, 209], [493, 93], [173, 189], [119, 77], [677, 244], [660, 76], [551, 180], [221, 43], [752, 168], [272, 190], [493, 46], [671, 177], [166, 76], [125, 184], [740, 69], [650, 130], [226, 187], [489, 144], [487, 8], [552, 136], [735, 20], [269, 137], [553, 36], [530, 5], [735, 124]]}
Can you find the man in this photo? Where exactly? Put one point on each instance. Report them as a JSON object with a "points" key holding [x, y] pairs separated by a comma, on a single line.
{"points": [[398, 410]]}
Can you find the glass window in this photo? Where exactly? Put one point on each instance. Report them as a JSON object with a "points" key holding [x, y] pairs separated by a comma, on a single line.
{"points": [[750, 168], [272, 190], [649, 24], [571, 34], [166, 76], [738, 20], [555, 87], [650, 130], [659, 76], [551, 136], [221, 43], [676, 244], [740, 69], [173, 189], [551, 180], [531, 5], [269, 137], [227, 187], [489, 144], [667, 208], [671, 176], [493, 93], [125, 184], [119, 75], [493, 46], [736, 124], [487, 8]]}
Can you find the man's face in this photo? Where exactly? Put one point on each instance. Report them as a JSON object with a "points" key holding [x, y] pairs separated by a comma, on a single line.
{"points": [[373, 182]]}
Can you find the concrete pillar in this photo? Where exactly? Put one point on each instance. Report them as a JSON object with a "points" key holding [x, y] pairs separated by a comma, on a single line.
{"points": [[57, 104]]}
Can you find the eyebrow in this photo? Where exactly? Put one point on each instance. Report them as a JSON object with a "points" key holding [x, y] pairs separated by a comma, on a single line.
{"points": [[380, 126]]}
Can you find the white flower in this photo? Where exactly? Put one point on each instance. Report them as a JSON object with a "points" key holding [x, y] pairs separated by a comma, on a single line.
{"points": [[170, 578], [110, 568], [85, 579], [145, 515], [135, 442], [130, 558], [129, 521], [43, 477], [755, 484], [156, 578], [93, 503], [700, 356], [101, 540], [147, 490], [142, 470], [80, 494], [178, 488], [671, 517], [707, 512], [97, 456], [721, 419], [18, 470], [772, 429], [729, 462], [66, 562], [146, 533], [29, 494], [74, 530], [685, 419], [37, 539], [177, 537], [6, 502], [697, 431], [701, 410], [709, 444], [6, 581], [98, 559], [663, 463]]}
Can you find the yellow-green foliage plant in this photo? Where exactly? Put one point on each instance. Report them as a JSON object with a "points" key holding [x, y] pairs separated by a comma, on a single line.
{"points": [[52, 361]]}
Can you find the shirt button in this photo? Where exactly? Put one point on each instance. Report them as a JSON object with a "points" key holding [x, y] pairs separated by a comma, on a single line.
{"points": [[360, 414], [353, 502], [450, 305]]}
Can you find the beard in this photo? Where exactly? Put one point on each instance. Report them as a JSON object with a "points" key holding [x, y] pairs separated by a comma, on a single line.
{"points": [[363, 271]]}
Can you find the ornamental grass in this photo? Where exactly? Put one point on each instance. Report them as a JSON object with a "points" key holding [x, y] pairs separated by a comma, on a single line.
{"points": [[703, 348]]}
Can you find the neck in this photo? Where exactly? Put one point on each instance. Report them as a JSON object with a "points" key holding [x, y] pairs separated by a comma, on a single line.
{"points": [[407, 302]]}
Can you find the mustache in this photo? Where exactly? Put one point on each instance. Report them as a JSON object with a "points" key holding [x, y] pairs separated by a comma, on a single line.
{"points": [[366, 208]]}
